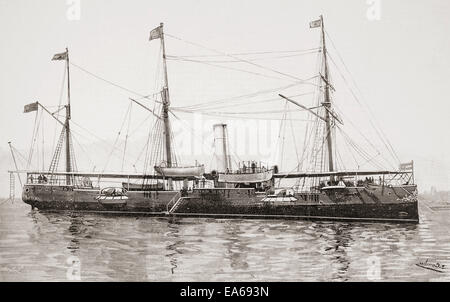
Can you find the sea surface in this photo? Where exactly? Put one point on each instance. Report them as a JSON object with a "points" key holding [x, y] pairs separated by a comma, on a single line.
{"points": [[37, 246]]}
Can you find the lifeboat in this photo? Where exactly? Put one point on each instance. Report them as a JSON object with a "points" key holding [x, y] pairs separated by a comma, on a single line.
{"points": [[238, 178], [113, 197], [181, 172]]}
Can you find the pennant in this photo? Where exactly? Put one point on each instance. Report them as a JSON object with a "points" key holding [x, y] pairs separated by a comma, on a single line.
{"points": [[60, 56], [30, 107], [316, 23], [155, 33]]}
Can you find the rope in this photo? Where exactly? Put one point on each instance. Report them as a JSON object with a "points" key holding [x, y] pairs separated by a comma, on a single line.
{"points": [[384, 140], [231, 68], [59, 105], [237, 58], [16, 151], [242, 117], [229, 101], [365, 155], [255, 53], [126, 136], [117, 138], [239, 113], [192, 131], [43, 144], [362, 135], [295, 143], [379, 131], [30, 154], [171, 57], [5, 201], [283, 126], [114, 84], [246, 103], [83, 150], [106, 144]]}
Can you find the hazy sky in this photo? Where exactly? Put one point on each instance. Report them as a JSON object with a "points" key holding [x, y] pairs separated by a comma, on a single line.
{"points": [[400, 63]]}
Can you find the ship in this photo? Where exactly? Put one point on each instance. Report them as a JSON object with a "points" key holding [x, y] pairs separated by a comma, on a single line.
{"points": [[251, 190]]}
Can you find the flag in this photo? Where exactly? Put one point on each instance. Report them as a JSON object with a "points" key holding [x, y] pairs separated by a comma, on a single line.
{"points": [[30, 107], [155, 33], [314, 24], [60, 56], [407, 166]]}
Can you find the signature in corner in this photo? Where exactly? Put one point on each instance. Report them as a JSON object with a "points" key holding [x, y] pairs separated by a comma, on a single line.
{"points": [[434, 266]]}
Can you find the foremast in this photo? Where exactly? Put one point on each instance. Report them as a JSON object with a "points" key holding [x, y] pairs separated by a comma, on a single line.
{"points": [[65, 133], [67, 122]]}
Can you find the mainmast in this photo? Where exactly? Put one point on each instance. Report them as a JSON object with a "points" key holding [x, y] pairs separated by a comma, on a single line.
{"points": [[327, 101], [166, 104], [67, 124]]}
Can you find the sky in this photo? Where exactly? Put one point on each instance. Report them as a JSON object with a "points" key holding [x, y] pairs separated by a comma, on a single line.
{"points": [[396, 52]]}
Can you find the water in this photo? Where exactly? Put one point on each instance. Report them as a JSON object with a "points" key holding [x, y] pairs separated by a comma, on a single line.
{"points": [[38, 246]]}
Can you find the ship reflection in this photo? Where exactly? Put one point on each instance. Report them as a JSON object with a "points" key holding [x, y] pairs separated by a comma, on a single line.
{"points": [[174, 246], [337, 245], [76, 230], [236, 246]]}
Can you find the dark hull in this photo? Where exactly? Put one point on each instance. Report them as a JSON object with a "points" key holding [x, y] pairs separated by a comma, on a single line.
{"points": [[346, 213], [350, 212], [239, 203]]}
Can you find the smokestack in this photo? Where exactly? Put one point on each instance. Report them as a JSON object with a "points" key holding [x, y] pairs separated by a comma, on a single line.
{"points": [[221, 148]]}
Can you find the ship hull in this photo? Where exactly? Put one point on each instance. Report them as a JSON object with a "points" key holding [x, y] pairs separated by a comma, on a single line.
{"points": [[361, 204], [384, 213]]}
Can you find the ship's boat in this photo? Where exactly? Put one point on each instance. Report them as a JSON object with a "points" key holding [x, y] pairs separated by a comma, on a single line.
{"points": [[113, 196], [246, 178], [250, 172], [180, 172]]}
